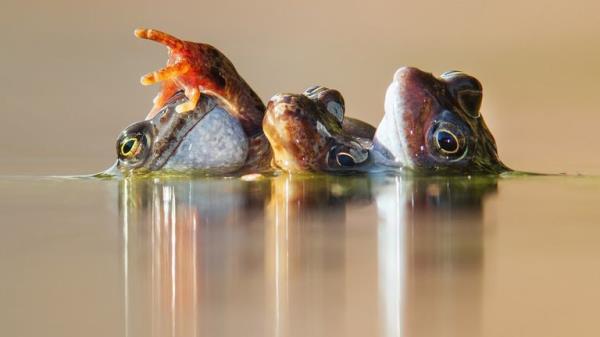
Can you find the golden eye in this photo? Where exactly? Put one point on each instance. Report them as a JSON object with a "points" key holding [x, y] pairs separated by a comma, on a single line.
{"points": [[130, 146]]}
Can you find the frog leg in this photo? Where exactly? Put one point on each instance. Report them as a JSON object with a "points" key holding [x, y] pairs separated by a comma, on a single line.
{"points": [[221, 99], [168, 76], [170, 72], [193, 95]]}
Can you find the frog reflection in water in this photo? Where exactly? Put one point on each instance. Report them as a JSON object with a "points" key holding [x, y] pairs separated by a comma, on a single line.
{"points": [[431, 125], [198, 252], [206, 118]]}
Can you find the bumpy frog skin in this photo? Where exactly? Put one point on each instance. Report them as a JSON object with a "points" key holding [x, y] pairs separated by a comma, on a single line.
{"points": [[434, 125], [308, 132], [431, 125], [205, 118]]}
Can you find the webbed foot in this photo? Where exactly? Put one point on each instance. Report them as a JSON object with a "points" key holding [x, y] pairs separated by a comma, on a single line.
{"points": [[172, 76]]}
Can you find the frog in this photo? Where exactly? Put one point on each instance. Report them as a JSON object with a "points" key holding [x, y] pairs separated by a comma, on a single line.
{"points": [[304, 131], [431, 125], [205, 118]]}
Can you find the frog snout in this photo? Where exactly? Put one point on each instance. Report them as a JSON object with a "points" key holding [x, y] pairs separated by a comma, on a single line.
{"points": [[405, 74]]}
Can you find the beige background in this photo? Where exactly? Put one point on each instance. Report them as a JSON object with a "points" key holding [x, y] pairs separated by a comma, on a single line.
{"points": [[70, 70]]}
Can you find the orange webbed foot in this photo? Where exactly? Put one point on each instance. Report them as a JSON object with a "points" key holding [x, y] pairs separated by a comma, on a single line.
{"points": [[160, 37], [172, 75], [167, 73]]}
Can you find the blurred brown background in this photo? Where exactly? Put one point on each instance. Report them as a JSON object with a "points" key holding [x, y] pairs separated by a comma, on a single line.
{"points": [[70, 69]]}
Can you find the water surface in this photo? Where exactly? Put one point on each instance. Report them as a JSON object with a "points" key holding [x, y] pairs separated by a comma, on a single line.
{"points": [[300, 256]]}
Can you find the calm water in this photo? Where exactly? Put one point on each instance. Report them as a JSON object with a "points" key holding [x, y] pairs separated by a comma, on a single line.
{"points": [[320, 256]]}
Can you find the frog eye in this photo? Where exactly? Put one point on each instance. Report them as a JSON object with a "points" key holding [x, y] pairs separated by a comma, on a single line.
{"points": [[349, 155], [446, 141], [345, 159], [133, 146], [129, 147]]}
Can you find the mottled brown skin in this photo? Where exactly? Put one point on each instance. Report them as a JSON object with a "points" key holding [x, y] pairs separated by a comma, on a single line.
{"points": [[290, 124], [306, 136]]}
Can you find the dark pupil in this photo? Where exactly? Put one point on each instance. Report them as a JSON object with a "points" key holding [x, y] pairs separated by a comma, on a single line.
{"points": [[345, 160], [447, 141], [128, 146]]}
